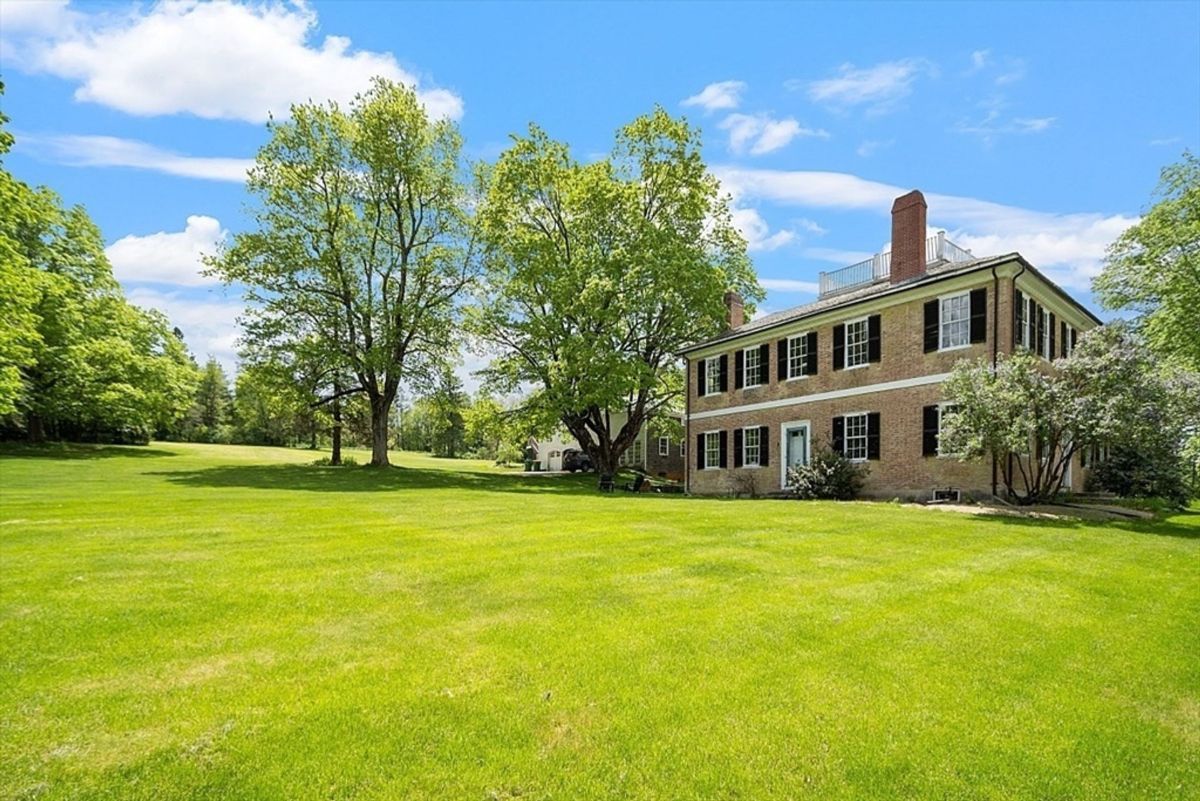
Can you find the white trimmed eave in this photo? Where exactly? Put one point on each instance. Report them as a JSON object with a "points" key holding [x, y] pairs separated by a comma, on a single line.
{"points": [[975, 277]]}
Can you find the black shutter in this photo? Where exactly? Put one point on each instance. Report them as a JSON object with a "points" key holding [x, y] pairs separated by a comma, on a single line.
{"points": [[810, 359], [723, 373], [1062, 340], [873, 435], [929, 431], [839, 347], [739, 369], [839, 435], [737, 447], [1053, 337], [781, 360], [701, 364], [764, 446], [1074, 338], [764, 363], [979, 315], [874, 325], [699, 451], [1039, 330], [723, 440], [1018, 317], [932, 310]]}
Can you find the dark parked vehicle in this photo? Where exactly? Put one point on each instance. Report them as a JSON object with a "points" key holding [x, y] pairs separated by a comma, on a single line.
{"points": [[574, 459]]}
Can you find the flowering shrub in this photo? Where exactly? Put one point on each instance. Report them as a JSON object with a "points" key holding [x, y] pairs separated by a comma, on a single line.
{"points": [[827, 475]]}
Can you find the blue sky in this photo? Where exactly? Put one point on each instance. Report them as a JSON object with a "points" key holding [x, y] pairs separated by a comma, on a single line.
{"points": [[1031, 127]]}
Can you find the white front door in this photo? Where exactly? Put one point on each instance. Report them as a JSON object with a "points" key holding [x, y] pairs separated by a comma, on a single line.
{"points": [[795, 447]]}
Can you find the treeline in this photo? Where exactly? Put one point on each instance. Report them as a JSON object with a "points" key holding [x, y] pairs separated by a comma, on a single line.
{"points": [[258, 409], [77, 361]]}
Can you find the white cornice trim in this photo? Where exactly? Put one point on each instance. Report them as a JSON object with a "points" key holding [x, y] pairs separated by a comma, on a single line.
{"points": [[832, 394]]}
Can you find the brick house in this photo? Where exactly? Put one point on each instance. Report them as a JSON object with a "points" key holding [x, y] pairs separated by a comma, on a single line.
{"points": [[860, 369]]}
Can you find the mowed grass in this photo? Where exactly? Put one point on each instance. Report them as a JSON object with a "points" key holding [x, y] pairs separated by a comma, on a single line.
{"points": [[208, 622]]}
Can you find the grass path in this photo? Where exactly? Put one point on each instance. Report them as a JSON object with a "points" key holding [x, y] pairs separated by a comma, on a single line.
{"points": [[214, 622]]}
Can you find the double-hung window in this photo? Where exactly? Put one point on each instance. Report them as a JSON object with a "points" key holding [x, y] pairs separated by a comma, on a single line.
{"points": [[712, 449], [751, 446], [954, 330], [797, 355], [855, 446], [858, 336], [712, 376], [664, 446], [752, 367]]}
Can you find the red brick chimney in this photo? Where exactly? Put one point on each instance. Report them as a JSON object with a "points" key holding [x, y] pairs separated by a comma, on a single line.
{"points": [[735, 310], [908, 237]]}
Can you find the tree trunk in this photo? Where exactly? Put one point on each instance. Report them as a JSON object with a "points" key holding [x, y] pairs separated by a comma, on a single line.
{"points": [[380, 411], [335, 457], [35, 427]]}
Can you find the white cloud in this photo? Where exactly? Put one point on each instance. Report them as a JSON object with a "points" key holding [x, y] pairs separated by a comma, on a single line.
{"points": [[36, 16], [1168, 140], [1070, 246], [209, 322], [789, 285], [870, 147], [757, 232], [718, 96], [221, 60], [979, 60], [168, 258], [111, 151], [761, 134], [993, 126], [879, 88]]}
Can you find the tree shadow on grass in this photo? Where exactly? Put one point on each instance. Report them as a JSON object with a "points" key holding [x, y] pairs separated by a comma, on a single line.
{"points": [[1183, 524], [310, 478], [77, 450]]}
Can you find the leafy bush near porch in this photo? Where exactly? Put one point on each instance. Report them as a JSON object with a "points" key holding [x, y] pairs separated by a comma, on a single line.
{"points": [[829, 476], [1142, 471]]}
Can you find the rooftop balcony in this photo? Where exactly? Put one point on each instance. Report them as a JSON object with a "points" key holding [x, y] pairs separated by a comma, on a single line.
{"points": [[938, 250]]}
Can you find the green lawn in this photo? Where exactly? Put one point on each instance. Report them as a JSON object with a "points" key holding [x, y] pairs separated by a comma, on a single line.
{"points": [[185, 621]]}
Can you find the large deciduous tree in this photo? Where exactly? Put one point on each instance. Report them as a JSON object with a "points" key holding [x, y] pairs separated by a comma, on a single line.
{"points": [[599, 273], [362, 243], [1153, 269]]}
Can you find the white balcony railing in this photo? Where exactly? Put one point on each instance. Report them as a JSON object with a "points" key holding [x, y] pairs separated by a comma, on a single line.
{"points": [[938, 249]]}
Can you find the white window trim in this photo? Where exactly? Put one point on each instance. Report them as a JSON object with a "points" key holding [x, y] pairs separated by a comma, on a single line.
{"points": [[788, 360], [783, 429], [966, 293], [746, 368], [664, 446], [716, 433], [867, 435], [756, 463], [940, 455], [846, 343], [708, 390]]}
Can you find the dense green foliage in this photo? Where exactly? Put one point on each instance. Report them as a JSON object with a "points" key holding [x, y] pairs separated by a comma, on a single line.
{"points": [[1153, 269], [1034, 420], [76, 360], [360, 248], [226, 623], [599, 273]]}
